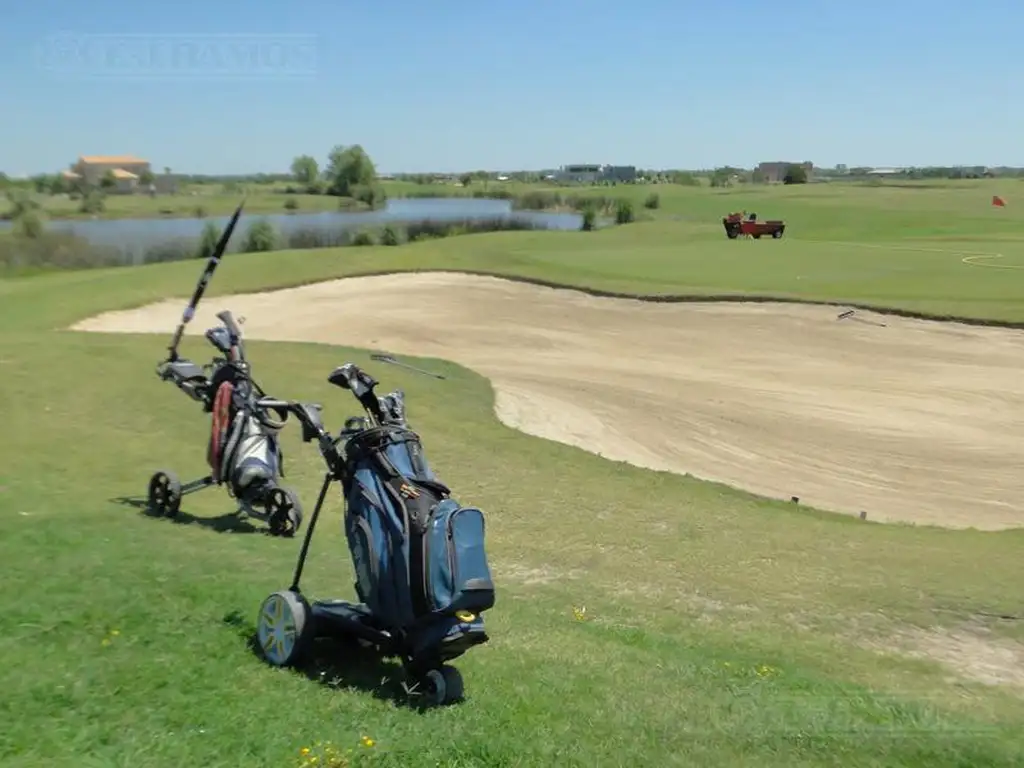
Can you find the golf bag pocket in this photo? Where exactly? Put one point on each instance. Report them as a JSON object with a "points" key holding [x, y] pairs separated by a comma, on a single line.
{"points": [[375, 529], [458, 575]]}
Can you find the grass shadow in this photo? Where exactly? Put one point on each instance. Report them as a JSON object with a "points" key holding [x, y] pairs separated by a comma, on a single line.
{"points": [[227, 523], [343, 664]]}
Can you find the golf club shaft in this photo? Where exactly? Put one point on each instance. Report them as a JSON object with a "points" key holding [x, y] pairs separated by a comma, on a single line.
{"points": [[204, 280], [392, 361]]}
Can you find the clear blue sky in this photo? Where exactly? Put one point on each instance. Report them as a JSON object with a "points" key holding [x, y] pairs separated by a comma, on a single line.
{"points": [[495, 84]]}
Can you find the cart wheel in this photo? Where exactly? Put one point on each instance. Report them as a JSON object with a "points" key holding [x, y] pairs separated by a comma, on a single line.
{"points": [[164, 495], [284, 512], [443, 686], [284, 628], [777, 234]]}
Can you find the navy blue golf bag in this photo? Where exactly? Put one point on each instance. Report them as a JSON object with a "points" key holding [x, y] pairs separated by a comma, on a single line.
{"points": [[419, 556]]}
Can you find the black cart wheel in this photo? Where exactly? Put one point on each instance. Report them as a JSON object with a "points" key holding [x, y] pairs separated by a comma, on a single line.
{"points": [[777, 234], [284, 512], [164, 495], [443, 686], [284, 628]]}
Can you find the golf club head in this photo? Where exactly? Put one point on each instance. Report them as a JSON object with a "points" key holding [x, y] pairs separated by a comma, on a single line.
{"points": [[354, 424], [393, 407], [220, 338], [350, 376]]}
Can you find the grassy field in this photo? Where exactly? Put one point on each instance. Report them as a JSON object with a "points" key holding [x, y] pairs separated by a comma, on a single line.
{"points": [[720, 629]]}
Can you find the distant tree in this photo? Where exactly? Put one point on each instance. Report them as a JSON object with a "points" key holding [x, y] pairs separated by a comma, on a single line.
{"points": [[167, 170], [305, 169], [466, 179], [146, 177], [349, 168], [108, 181], [683, 178], [795, 174], [721, 178], [20, 203]]}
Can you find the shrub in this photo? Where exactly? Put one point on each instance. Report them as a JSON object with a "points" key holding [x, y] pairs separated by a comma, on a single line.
{"points": [[795, 174], [317, 237], [372, 196], [538, 200], [199, 212], [291, 204], [29, 225], [55, 250], [93, 202], [589, 220], [260, 237], [624, 212], [362, 238], [684, 179], [173, 250], [207, 241], [389, 236], [653, 201]]}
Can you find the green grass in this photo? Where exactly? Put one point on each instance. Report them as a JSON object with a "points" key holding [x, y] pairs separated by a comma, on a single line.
{"points": [[722, 629]]}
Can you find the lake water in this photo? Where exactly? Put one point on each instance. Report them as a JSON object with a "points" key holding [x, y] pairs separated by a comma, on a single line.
{"points": [[135, 235]]}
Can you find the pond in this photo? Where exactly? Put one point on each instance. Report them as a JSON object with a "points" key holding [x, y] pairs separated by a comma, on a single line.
{"points": [[134, 236]]}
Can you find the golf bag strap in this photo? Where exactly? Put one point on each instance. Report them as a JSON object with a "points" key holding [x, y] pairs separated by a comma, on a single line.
{"points": [[219, 424]]}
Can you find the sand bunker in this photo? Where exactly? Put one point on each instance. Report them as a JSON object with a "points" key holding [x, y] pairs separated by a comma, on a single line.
{"points": [[916, 421]]}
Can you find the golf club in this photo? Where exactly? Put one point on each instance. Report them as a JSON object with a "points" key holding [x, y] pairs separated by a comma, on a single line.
{"points": [[204, 280], [390, 360]]}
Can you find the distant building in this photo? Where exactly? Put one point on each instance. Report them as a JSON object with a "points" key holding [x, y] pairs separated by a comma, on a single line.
{"points": [[591, 174], [126, 171], [624, 173], [774, 173], [582, 174]]}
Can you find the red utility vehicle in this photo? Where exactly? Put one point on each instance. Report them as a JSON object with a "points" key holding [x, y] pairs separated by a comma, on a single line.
{"points": [[735, 225]]}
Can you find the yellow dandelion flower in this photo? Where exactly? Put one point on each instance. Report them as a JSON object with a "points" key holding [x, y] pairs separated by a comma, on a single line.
{"points": [[304, 751], [367, 741], [580, 613]]}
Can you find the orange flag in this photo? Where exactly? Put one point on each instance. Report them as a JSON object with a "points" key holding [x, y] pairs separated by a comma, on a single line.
{"points": [[998, 201]]}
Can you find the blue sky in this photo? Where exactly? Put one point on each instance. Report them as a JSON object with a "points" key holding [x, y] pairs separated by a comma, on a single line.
{"points": [[454, 85]]}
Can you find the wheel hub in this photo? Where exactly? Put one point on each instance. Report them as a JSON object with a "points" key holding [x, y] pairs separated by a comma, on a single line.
{"points": [[277, 630]]}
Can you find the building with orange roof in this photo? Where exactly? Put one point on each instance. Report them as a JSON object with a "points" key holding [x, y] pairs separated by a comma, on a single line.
{"points": [[126, 170]]}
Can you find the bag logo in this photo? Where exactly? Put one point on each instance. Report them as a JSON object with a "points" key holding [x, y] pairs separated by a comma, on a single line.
{"points": [[465, 616], [408, 491]]}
